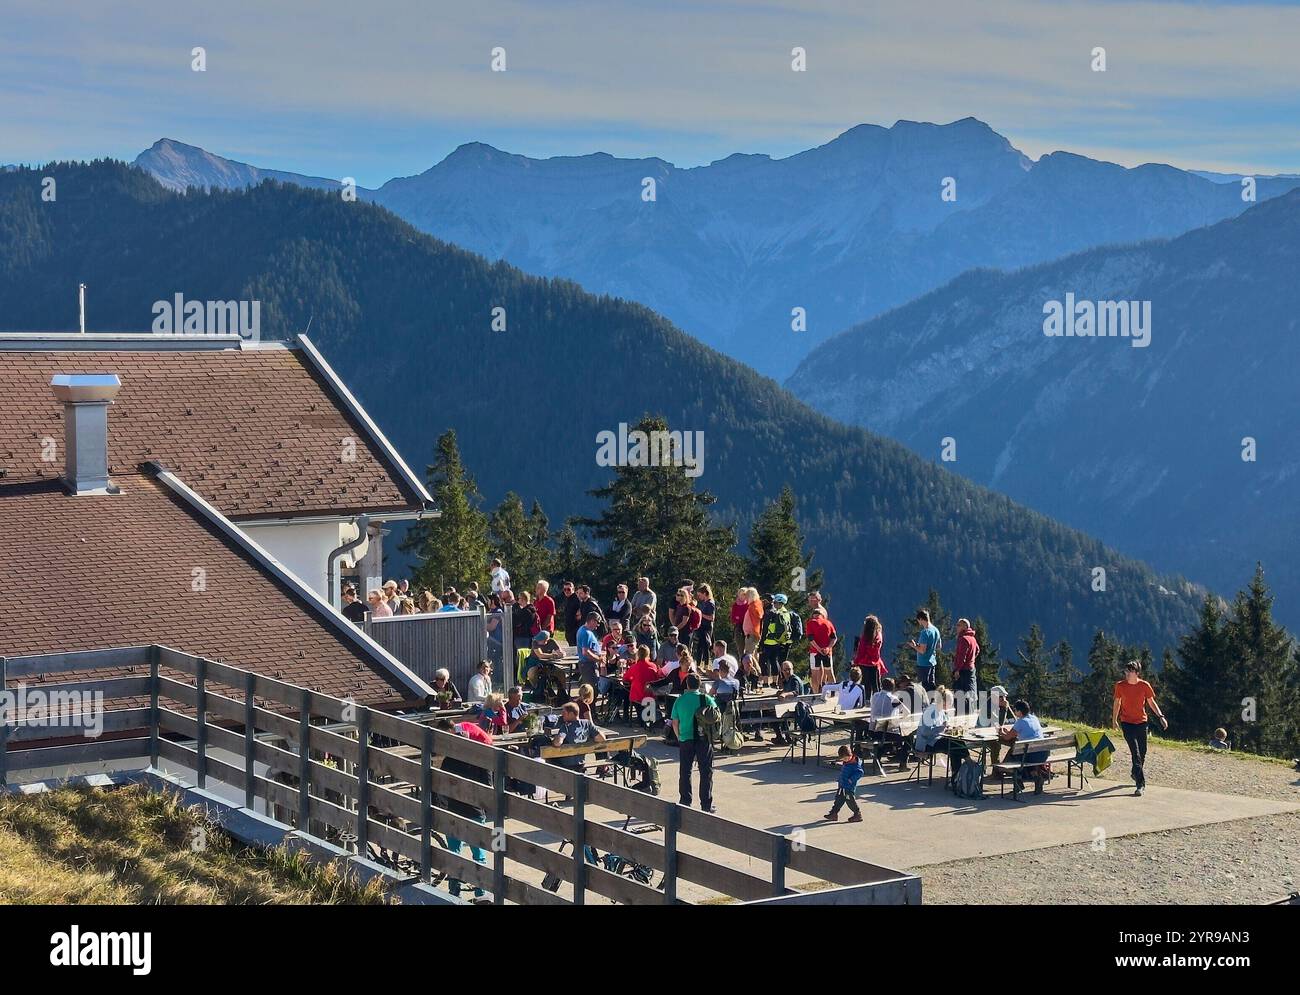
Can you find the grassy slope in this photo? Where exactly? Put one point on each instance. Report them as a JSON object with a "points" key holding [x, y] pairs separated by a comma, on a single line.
{"points": [[133, 846]]}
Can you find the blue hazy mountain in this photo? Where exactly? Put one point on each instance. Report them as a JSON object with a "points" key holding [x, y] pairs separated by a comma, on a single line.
{"points": [[1142, 447], [727, 251]]}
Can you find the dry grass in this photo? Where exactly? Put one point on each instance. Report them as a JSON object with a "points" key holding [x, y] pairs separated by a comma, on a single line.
{"points": [[134, 846]]}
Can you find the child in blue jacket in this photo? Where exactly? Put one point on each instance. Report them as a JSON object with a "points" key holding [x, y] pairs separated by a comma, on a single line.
{"points": [[850, 773]]}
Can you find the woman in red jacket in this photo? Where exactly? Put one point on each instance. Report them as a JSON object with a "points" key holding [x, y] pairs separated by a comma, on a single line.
{"points": [[868, 657]]}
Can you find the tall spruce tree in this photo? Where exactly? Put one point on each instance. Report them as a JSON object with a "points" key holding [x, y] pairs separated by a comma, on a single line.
{"points": [[777, 562], [1097, 690], [1262, 675], [988, 665], [520, 541], [658, 525], [452, 548], [1027, 674], [1063, 687]]}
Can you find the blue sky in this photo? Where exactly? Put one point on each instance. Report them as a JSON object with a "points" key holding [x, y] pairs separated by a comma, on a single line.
{"points": [[390, 87]]}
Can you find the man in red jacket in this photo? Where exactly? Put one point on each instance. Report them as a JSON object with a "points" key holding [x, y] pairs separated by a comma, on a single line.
{"points": [[963, 667]]}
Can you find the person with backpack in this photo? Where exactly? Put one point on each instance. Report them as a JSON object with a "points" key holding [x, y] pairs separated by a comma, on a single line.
{"points": [[695, 717], [778, 629], [850, 775]]}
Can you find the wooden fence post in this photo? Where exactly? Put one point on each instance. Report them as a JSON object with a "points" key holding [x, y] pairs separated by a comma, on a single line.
{"points": [[499, 833], [780, 857], [672, 819], [579, 839], [154, 716], [4, 731], [304, 762], [201, 735], [363, 780], [250, 744], [426, 807]]}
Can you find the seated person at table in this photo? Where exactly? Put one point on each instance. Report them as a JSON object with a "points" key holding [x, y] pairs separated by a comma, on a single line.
{"points": [[480, 685], [573, 731], [911, 694], [644, 631], [492, 714], [467, 729], [725, 686], [516, 710], [586, 698], [1026, 727], [667, 655], [640, 676], [788, 688], [849, 693], [885, 704], [684, 668], [720, 653], [545, 650], [750, 671], [442, 685]]}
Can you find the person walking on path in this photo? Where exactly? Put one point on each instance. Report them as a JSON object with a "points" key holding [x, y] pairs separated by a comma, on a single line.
{"points": [[850, 775], [1133, 697]]}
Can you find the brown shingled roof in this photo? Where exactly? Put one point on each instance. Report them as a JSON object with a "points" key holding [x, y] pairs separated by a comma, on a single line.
{"points": [[99, 571], [256, 432]]}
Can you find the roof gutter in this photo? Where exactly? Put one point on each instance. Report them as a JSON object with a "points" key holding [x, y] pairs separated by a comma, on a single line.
{"points": [[362, 523], [385, 663], [374, 516]]}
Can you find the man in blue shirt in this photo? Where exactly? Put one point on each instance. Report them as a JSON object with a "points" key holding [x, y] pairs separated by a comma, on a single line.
{"points": [[926, 644], [1026, 727], [591, 656]]}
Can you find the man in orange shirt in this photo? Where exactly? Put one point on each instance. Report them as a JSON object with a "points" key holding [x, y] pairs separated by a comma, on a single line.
{"points": [[1132, 698]]}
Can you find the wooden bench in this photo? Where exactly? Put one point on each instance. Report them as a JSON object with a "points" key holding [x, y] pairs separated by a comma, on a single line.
{"points": [[1060, 748]]}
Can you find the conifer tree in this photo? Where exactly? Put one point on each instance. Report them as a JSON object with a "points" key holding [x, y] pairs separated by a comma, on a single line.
{"points": [[657, 524], [452, 548], [520, 541], [1063, 688], [1261, 673], [1097, 690], [777, 561], [1028, 675]]}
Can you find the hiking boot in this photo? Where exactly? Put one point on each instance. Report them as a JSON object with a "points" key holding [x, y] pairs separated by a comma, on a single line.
{"points": [[712, 810], [1038, 787], [856, 818], [831, 817], [1138, 791]]}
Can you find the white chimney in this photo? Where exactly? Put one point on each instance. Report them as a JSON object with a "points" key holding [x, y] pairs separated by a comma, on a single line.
{"points": [[86, 397]]}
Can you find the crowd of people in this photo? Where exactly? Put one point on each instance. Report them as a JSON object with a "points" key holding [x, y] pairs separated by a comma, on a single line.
{"points": [[635, 647]]}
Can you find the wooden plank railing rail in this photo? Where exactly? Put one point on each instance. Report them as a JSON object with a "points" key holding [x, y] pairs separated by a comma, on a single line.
{"points": [[350, 783]]}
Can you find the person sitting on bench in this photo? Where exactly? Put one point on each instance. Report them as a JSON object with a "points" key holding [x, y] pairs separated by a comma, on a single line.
{"points": [[1026, 727]]}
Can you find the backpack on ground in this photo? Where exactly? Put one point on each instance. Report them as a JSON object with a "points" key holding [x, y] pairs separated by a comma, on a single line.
{"points": [[732, 738], [969, 782], [803, 718]]}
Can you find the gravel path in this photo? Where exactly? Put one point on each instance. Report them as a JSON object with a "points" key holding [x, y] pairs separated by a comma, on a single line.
{"points": [[1249, 861]]}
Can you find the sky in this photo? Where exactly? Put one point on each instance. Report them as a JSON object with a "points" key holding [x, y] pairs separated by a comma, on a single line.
{"points": [[390, 87]]}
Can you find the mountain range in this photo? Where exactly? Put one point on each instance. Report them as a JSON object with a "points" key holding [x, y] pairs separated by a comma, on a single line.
{"points": [[1142, 447], [407, 320], [730, 250]]}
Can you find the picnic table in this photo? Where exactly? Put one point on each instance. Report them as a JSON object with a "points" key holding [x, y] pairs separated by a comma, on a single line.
{"points": [[972, 739], [899, 725]]}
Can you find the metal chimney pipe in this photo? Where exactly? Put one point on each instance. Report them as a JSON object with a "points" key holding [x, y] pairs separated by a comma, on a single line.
{"points": [[86, 397], [81, 301]]}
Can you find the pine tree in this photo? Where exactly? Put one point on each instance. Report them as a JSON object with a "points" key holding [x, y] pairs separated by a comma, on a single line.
{"points": [[1260, 709], [1028, 675], [1097, 690], [657, 525], [777, 562], [988, 665], [520, 541], [572, 560], [452, 548], [1063, 686]]}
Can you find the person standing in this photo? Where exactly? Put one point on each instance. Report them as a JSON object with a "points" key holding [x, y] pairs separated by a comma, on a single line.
{"points": [[572, 613], [692, 747], [353, 610], [708, 610], [591, 655], [644, 601], [822, 638], [850, 775], [963, 668], [926, 644], [867, 656], [500, 578], [1133, 696], [776, 638], [545, 606], [378, 605], [620, 609]]}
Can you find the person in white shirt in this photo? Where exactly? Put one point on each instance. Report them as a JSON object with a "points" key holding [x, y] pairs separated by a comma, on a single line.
{"points": [[720, 655], [480, 685], [500, 579], [884, 703], [849, 693]]}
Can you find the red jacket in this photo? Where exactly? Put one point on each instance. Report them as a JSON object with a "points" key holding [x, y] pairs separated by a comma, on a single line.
{"points": [[738, 609], [868, 654], [639, 676], [967, 651]]}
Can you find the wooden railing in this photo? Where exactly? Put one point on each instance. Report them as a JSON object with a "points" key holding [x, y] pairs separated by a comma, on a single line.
{"points": [[201, 713]]}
